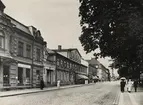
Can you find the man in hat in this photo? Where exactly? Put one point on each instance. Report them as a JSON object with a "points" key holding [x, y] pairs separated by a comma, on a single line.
{"points": [[122, 85]]}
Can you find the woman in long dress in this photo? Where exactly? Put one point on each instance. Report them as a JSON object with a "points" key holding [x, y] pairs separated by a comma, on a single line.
{"points": [[129, 85]]}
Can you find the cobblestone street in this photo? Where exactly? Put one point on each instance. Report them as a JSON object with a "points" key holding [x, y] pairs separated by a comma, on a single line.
{"points": [[95, 94]]}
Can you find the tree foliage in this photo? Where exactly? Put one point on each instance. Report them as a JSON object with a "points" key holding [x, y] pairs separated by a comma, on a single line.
{"points": [[115, 27]]}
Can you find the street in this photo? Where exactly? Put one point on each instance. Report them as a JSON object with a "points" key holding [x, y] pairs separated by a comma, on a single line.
{"points": [[94, 94]]}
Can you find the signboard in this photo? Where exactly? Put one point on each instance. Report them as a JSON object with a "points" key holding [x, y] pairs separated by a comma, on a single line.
{"points": [[24, 66]]}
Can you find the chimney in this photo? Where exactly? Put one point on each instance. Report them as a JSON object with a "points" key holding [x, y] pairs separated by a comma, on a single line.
{"points": [[59, 47], [2, 7]]}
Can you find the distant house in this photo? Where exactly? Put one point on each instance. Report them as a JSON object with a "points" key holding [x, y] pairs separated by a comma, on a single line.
{"points": [[98, 69], [77, 69]]}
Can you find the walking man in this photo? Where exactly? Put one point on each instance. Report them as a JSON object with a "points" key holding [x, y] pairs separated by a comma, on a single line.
{"points": [[41, 84], [122, 85], [135, 85]]}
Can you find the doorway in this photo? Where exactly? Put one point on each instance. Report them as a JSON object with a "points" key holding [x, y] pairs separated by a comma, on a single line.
{"points": [[6, 77]]}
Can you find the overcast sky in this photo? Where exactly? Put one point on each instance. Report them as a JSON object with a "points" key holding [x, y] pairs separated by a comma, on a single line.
{"points": [[57, 20]]}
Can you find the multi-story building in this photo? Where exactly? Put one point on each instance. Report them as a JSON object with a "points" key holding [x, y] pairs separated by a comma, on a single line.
{"points": [[92, 73], [105, 74], [49, 68], [101, 72], [21, 53], [76, 68]]}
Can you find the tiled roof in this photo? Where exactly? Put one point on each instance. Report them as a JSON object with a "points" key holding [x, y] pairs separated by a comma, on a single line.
{"points": [[65, 50]]}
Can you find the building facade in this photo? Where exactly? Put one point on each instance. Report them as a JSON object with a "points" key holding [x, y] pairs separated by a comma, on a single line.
{"points": [[21, 53], [78, 70], [99, 70], [49, 68]]}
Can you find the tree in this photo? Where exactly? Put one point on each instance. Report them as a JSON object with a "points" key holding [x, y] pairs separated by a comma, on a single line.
{"points": [[115, 27]]}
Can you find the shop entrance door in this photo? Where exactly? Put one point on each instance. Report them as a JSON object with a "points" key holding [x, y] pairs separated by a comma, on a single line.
{"points": [[49, 77], [20, 76], [6, 78]]}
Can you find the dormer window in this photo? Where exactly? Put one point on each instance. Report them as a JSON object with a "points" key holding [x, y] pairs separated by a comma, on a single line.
{"points": [[1, 40]]}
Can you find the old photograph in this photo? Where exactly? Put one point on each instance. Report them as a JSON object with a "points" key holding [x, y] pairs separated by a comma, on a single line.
{"points": [[71, 52]]}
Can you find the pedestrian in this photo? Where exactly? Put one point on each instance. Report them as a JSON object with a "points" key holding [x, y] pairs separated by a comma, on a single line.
{"points": [[135, 85], [122, 85], [129, 85], [41, 84], [58, 83]]}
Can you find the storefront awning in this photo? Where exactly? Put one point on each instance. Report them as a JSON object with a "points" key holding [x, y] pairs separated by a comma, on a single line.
{"points": [[3, 55], [24, 66], [95, 77], [7, 59], [82, 76]]}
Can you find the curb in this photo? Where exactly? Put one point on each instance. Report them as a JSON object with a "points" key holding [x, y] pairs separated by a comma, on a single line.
{"points": [[117, 98], [43, 90]]}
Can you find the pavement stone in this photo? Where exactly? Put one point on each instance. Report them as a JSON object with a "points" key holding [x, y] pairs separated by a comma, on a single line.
{"points": [[133, 98], [36, 90]]}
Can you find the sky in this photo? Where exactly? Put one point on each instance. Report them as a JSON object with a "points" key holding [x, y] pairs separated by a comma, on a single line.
{"points": [[57, 20]]}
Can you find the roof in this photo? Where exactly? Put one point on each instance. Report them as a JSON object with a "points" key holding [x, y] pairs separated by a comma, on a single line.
{"points": [[93, 61], [49, 51], [64, 50], [56, 53], [19, 25], [2, 6]]}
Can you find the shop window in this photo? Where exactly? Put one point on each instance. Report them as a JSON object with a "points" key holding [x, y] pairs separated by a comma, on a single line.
{"points": [[20, 48], [6, 75], [20, 76], [27, 76], [38, 74], [28, 51], [1, 40]]}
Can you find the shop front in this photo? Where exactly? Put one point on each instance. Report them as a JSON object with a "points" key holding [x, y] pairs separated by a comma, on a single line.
{"points": [[49, 75], [24, 75], [8, 67]]}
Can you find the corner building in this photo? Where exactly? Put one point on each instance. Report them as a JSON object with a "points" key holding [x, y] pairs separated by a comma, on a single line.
{"points": [[21, 53]]}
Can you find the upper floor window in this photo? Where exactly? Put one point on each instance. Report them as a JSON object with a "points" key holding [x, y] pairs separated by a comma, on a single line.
{"points": [[20, 48], [1, 40], [58, 62], [38, 54], [28, 51]]}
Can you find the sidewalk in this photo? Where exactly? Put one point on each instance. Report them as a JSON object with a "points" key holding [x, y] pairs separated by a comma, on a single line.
{"points": [[133, 98], [35, 90]]}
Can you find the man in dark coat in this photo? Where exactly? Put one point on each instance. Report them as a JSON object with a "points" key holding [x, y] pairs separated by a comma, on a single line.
{"points": [[122, 85], [135, 85], [41, 84]]}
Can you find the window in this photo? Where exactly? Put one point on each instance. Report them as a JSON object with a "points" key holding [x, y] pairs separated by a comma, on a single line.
{"points": [[1, 40], [27, 76], [28, 51], [27, 73], [38, 76], [68, 65], [20, 48], [61, 63], [38, 54], [58, 62]]}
